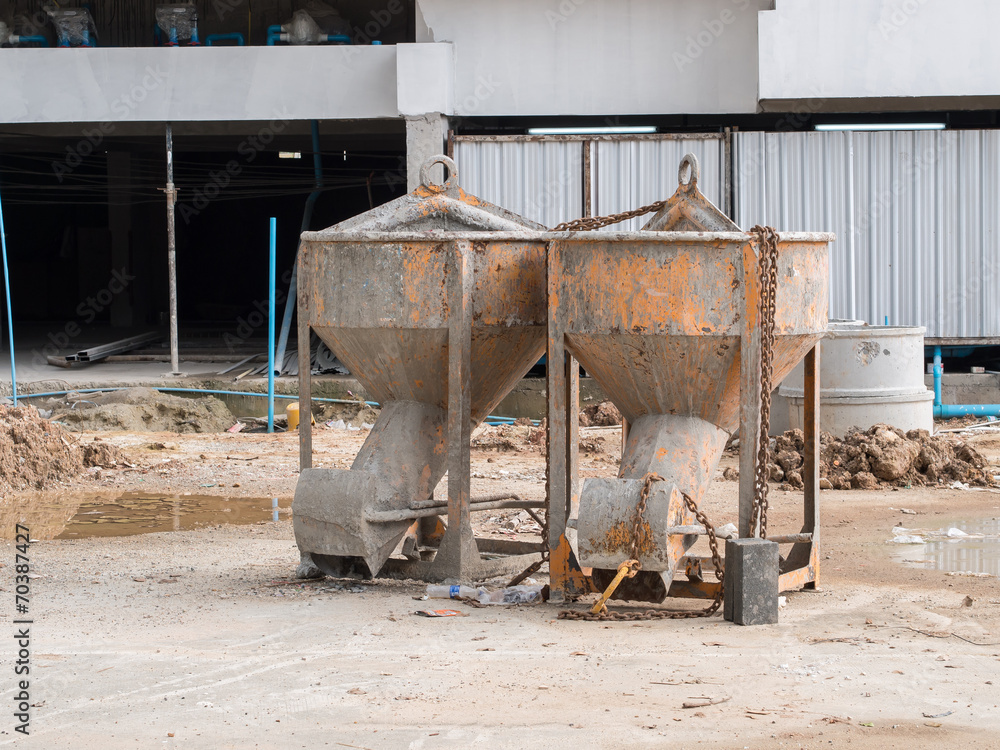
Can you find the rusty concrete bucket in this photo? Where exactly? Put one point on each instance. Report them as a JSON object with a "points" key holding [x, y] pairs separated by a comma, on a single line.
{"points": [[658, 318], [436, 303]]}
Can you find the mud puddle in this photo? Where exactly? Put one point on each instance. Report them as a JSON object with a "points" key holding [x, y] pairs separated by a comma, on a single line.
{"points": [[963, 546], [80, 517]]}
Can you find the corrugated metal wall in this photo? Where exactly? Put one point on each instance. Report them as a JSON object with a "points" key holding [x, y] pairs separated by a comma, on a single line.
{"points": [[541, 180], [916, 215], [544, 179], [628, 174]]}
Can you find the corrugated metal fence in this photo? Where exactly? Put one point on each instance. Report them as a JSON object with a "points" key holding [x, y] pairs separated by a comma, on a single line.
{"points": [[916, 213], [554, 180]]}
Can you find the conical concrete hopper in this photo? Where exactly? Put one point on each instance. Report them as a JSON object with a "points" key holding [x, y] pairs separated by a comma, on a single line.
{"points": [[658, 318], [435, 302]]}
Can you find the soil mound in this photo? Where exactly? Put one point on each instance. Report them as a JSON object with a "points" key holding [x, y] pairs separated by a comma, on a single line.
{"points": [[34, 453], [144, 409], [881, 456], [604, 414]]}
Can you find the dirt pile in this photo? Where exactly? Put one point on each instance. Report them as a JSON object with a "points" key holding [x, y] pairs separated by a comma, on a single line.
{"points": [[34, 453], [101, 454], [143, 410], [881, 456], [502, 438], [604, 414], [358, 414]]}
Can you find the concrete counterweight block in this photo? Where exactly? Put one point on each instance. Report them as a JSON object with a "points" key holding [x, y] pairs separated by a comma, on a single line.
{"points": [[751, 582]]}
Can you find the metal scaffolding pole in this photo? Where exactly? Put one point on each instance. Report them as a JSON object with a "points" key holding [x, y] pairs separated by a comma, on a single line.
{"points": [[172, 251]]}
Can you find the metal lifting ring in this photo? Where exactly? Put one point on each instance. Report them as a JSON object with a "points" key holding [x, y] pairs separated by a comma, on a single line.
{"points": [[451, 169], [690, 161]]}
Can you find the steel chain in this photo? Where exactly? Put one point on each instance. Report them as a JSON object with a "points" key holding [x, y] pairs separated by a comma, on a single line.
{"points": [[767, 248], [660, 614], [587, 223]]}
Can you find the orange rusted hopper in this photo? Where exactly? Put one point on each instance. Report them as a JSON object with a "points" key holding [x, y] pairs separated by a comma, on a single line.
{"points": [[665, 320], [436, 303]]}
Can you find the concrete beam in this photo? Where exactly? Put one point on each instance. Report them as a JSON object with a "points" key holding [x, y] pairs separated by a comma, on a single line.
{"points": [[426, 136]]}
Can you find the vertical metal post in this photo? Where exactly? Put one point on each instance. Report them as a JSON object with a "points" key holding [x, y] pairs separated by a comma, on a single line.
{"points": [[810, 474], [750, 394], [172, 252], [572, 433], [10, 315], [270, 322], [458, 555], [305, 374], [558, 451]]}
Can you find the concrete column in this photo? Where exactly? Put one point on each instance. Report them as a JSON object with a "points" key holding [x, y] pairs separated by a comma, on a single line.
{"points": [[426, 136], [120, 226]]}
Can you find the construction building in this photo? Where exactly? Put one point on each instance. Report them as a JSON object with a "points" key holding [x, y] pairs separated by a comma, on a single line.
{"points": [[800, 111]]}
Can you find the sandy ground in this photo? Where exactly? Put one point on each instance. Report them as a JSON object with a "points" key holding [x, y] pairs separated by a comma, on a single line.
{"points": [[214, 648]]}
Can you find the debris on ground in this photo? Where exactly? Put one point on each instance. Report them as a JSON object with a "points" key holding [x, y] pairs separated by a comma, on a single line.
{"points": [[505, 437], [353, 416], [604, 414], [141, 410], [34, 453], [881, 456], [102, 455]]}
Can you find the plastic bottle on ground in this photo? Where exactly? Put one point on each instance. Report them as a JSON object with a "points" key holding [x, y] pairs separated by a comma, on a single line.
{"points": [[440, 591]]}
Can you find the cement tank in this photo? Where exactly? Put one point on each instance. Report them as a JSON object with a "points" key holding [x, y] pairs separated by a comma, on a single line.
{"points": [[664, 319], [436, 303], [870, 375]]}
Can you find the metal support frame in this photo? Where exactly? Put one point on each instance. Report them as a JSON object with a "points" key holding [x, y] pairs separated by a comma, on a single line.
{"points": [[801, 566], [566, 578], [458, 555]]}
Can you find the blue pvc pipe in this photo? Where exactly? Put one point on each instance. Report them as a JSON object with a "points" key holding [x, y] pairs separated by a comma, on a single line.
{"points": [[207, 391], [948, 411], [293, 284], [272, 263], [21, 39], [10, 316], [234, 36]]}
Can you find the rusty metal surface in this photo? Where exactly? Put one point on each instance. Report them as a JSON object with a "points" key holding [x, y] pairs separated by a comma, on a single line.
{"points": [[604, 529], [659, 319], [438, 323]]}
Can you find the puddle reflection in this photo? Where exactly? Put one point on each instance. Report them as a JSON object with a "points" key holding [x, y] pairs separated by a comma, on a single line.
{"points": [[979, 552], [83, 516]]}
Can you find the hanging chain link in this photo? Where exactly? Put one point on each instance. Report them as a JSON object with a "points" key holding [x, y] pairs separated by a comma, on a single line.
{"points": [[767, 249], [587, 223], [659, 614]]}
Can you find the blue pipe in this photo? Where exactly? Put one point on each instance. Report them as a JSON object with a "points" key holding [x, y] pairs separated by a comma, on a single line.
{"points": [[948, 411], [270, 325], [10, 316], [234, 36], [210, 392], [293, 285], [37, 39]]}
